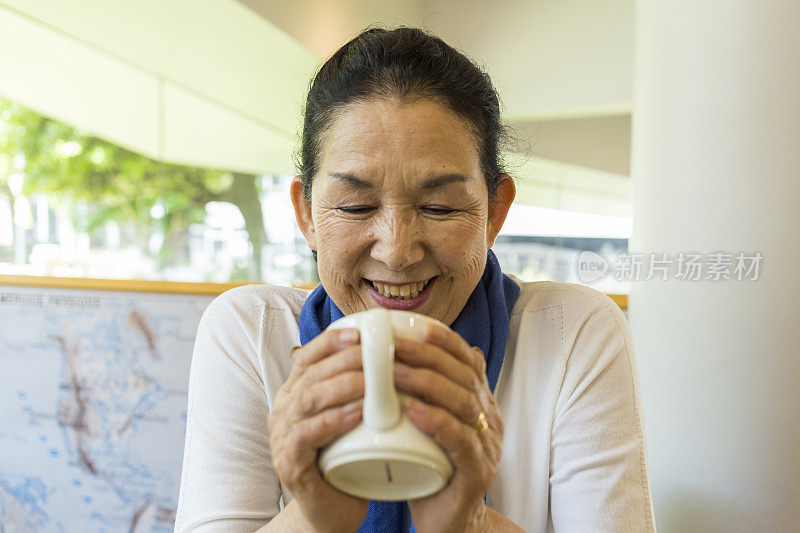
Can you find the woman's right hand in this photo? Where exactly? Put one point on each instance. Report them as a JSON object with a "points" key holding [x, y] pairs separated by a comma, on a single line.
{"points": [[321, 400]]}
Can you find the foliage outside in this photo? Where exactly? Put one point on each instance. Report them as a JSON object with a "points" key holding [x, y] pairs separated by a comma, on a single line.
{"points": [[95, 181]]}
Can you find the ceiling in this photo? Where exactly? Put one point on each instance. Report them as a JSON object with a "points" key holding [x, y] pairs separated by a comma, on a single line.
{"points": [[548, 59], [214, 87], [220, 83], [598, 142]]}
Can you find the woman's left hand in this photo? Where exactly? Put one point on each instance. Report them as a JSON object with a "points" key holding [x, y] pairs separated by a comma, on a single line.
{"points": [[450, 377]]}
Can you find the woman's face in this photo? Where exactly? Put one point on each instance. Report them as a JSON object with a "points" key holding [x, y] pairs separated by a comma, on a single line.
{"points": [[399, 212]]}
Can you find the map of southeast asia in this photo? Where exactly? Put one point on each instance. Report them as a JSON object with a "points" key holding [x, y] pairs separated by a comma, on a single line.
{"points": [[93, 389]]}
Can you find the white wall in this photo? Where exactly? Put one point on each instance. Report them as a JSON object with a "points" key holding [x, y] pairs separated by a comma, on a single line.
{"points": [[716, 130]]}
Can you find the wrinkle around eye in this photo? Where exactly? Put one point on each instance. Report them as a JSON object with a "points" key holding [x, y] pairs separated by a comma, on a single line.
{"points": [[446, 212], [354, 213], [454, 202], [356, 209], [438, 210]]}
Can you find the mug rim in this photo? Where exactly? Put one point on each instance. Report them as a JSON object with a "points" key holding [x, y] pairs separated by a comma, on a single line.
{"points": [[342, 322]]}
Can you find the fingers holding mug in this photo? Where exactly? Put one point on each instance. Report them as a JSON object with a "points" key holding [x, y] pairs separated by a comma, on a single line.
{"points": [[325, 344], [321, 401], [437, 389]]}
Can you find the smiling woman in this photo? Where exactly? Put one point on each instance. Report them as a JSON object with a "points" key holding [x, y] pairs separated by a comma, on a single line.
{"points": [[530, 388], [400, 199]]}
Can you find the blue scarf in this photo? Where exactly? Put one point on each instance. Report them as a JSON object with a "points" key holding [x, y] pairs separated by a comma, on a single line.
{"points": [[483, 323]]}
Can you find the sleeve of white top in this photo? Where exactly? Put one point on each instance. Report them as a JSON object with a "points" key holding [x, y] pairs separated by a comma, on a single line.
{"points": [[598, 468], [228, 483]]}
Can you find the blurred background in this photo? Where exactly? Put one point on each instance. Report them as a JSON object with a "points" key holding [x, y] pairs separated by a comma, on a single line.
{"points": [[148, 146], [154, 140]]}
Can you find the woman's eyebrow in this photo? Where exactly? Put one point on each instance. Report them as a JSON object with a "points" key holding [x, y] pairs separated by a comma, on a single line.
{"points": [[444, 179], [429, 183], [352, 180]]}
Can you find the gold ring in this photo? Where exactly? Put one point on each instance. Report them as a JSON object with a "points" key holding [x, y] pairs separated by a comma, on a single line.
{"points": [[481, 425], [291, 352]]}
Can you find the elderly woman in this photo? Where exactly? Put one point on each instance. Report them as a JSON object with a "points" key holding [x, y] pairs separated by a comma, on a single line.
{"points": [[401, 196]]}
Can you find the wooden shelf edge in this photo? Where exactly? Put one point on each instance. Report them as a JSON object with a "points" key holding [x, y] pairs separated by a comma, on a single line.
{"points": [[169, 287], [128, 285], [620, 299]]}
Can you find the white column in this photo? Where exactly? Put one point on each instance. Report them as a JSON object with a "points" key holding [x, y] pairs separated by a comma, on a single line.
{"points": [[716, 167]]}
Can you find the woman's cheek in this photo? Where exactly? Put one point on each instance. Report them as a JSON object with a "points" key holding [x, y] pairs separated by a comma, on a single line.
{"points": [[461, 246], [339, 275], [337, 233], [340, 243]]}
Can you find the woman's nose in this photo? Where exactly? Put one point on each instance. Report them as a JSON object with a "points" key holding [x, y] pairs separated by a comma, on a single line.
{"points": [[398, 241]]}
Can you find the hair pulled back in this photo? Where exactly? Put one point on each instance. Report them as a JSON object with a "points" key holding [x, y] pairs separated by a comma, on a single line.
{"points": [[405, 63]]}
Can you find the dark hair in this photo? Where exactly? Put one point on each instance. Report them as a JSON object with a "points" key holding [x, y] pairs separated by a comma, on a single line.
{"points": [[405, 63]]}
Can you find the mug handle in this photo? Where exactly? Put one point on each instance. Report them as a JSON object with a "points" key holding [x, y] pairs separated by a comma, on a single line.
{"points": [[381, 403]]}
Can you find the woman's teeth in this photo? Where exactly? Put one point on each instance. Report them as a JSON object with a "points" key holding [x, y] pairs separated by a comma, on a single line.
{"points": [[400, 292]]}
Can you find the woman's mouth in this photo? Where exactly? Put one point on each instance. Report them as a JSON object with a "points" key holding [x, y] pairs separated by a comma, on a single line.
{"points": [[400, 296]]}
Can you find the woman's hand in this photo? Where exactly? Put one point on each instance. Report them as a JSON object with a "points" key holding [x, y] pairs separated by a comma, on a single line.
{"points": [[450, 376], [321, 400]]}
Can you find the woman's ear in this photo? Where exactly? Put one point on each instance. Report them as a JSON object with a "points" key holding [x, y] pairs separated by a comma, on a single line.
{"points": [[302, 211], [498, 208]]}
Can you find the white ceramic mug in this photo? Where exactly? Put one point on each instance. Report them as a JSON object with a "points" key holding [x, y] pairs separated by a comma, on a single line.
{"points": [[385, 457]]}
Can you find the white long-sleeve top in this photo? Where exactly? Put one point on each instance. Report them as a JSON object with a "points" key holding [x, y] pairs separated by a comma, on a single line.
{"points": [[574, 455]]}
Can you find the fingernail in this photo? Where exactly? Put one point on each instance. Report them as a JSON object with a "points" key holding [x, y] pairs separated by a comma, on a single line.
{"points": [[348, 335], [431, 331]]}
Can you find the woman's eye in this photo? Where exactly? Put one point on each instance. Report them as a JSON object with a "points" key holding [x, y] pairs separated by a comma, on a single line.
{"points": [[438, 209], [356, 209]]}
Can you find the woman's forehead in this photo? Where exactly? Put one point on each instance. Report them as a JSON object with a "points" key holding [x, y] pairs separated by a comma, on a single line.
{"points": [[366, 137]]}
